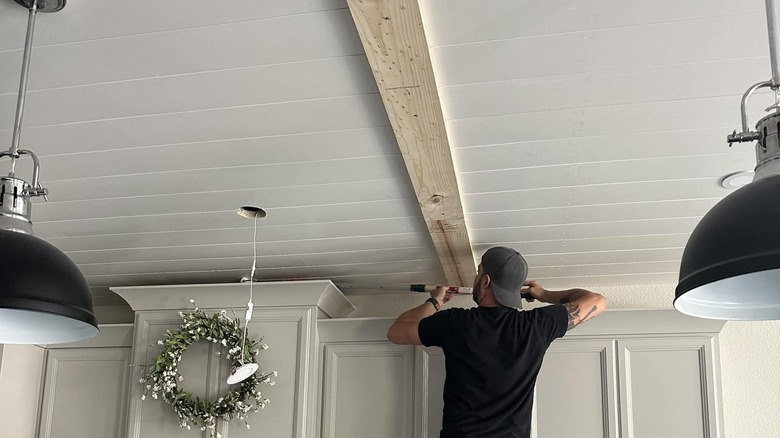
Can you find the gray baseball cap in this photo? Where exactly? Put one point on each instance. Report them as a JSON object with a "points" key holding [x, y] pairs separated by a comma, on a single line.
{"points": [[507, 270]]}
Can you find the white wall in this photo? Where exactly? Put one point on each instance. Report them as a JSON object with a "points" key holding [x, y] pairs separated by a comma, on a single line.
{"points": [[750, 354], [21, 372]]}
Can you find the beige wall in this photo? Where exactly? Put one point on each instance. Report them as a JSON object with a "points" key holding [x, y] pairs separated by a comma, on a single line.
{"points": [[21, 371], [750, 354]]}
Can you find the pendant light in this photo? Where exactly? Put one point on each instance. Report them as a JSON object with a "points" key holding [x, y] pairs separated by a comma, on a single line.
{"points": [[731, 264], [243, 372], [44, 298]]}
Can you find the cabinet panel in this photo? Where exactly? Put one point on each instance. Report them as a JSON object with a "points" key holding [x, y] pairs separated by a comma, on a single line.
{"points": [[289, 334], [575, 391], [85, 393], [367, 391], [668, 388]]}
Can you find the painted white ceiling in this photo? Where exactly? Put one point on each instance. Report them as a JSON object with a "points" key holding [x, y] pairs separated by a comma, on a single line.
{"points": [[588, 135]]}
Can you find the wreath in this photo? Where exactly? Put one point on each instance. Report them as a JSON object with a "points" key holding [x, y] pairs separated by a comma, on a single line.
{"points": [[163, 376]]}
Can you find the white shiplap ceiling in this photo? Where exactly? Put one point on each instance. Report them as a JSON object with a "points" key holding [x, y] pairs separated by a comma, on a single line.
{"points": [[588, 135]]}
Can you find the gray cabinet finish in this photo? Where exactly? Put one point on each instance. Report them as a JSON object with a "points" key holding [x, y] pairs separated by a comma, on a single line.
{"points": [[669, 387], [627, 374], [85, 393], [368, 387], [85, 387], [576, 390]]}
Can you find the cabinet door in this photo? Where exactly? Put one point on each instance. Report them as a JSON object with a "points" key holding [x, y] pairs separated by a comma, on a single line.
{"points": [[668, 387], [85, 393], [575, 391], [287, 331], [368, 390]]}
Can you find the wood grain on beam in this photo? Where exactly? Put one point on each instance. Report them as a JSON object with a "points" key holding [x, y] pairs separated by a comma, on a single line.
{"points": [[394, 40]]}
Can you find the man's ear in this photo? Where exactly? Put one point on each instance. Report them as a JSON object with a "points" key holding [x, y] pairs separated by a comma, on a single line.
{"points": [[485, 280]]}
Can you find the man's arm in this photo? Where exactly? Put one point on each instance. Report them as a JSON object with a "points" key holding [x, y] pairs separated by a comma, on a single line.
{"points": [[580, 304], [404, 329]]}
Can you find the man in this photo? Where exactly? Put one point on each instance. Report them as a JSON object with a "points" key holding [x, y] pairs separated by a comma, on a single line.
{"points": [[493, 352]]}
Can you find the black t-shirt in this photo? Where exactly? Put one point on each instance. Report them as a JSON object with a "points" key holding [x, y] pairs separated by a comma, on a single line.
{"points": [[492, 358]]}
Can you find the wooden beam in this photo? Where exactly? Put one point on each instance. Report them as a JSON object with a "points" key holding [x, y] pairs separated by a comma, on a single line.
{"points": [[394, 41]]}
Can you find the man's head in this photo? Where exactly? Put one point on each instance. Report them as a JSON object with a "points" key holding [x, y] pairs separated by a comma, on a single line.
{"points": [[505, 271]]}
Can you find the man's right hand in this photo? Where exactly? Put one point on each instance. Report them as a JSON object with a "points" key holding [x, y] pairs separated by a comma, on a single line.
{"points": [[441, 295]]}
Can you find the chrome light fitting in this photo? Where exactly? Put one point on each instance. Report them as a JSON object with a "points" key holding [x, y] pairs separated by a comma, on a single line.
{"points": [[731, 264], [44, 298]]}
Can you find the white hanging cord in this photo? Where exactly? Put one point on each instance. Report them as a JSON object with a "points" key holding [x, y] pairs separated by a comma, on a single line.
{"points": [[250, 305]]}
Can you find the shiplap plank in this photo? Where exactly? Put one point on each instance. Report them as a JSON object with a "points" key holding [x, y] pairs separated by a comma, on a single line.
{"points": [[602, 148], [209, 220], [609, 49], [217, 210], [598, 121], [692, 81], [170, 94], [554, 232], [641, 261], [249, 182], [401, 279], [54, 231], [378, 255], [235, 45], [592, 213], [335, 114], [630, 258], [283, 273], [303, 214], [351, 284], [358, 243], [109, 19], [615, 193], [648, 267], [465, 21], [640, 170], [287, 150], [333, 267], [594, 281], [333, 230], [590, 246]]}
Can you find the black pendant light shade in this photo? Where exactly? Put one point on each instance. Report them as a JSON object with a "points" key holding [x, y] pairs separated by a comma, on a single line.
{"points": [[44, 299], [731, 264]]}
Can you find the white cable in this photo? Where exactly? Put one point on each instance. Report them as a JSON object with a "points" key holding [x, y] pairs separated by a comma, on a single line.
{"points": [[250, 305]]}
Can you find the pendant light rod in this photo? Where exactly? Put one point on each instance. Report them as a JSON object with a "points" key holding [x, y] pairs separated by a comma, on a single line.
{"points": [[774, 57], [14, 151], [747, 135]]}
